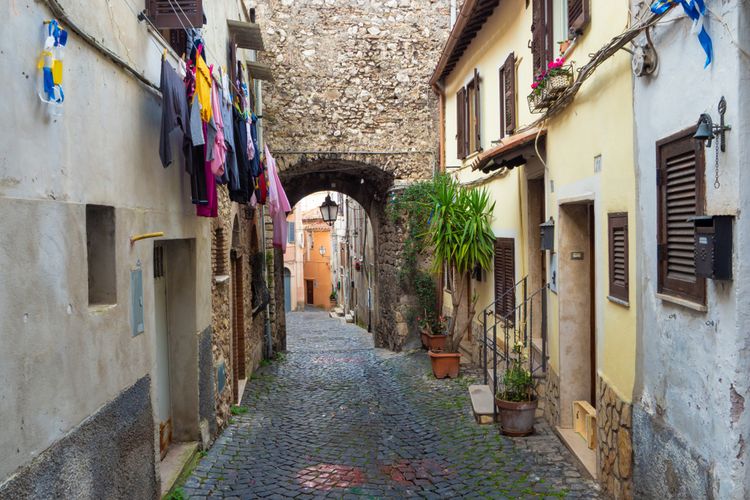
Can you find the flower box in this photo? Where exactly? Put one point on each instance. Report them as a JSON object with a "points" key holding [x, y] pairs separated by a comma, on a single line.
{"points": [[549, 86]]}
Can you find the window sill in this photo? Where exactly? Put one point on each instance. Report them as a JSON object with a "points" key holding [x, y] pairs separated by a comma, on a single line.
{"points": [[682, 302], [619, 302]]}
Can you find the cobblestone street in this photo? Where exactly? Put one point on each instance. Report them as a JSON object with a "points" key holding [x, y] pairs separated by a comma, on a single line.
{"points": [[338, 418]]}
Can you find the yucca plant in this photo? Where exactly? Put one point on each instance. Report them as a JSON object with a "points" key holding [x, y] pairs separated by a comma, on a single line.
{"points": [[461, 237]]}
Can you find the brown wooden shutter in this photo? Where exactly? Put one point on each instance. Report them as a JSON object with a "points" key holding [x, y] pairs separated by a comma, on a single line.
{"points": [[579, 15], [172, 14], [541, 34], [477, 114], [681, 191], [618, 256], [505, 277], [461, 124], [509, 95]]}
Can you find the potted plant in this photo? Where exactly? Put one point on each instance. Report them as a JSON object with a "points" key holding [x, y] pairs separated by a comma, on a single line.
{"points": [[424, 330], [333, 298], [516, 402], [549, 84], [460, 237], [437, 335]]}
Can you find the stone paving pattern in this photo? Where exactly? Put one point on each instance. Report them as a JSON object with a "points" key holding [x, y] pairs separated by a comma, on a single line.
{"points": [[338, 418]]}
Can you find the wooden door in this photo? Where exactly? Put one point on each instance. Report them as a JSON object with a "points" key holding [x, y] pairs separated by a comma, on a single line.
{"points": [[310, 297], [163, 393]]}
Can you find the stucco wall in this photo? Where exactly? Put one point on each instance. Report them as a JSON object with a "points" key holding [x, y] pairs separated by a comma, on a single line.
{"points": [[63, 359], [689, 399]]}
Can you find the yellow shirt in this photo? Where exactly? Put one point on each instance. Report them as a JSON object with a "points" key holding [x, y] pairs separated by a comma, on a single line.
{"points": [[203, 88]]}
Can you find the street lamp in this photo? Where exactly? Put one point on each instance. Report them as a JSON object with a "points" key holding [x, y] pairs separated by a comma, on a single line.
{"points": [[329, 210]]}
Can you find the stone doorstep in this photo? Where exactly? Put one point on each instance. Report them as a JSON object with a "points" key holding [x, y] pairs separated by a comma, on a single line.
{"points": [[241, 389], [482, 403], [170, 468], [585, 458]]}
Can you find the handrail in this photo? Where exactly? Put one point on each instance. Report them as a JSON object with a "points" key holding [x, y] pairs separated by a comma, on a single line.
{"points": [[502, 296]]}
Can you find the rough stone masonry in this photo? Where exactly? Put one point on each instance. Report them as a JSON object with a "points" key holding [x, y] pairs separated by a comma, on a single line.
{"points": [[351, 76]]}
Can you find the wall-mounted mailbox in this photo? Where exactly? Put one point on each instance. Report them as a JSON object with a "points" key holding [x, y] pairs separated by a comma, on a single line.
{"points": [[713, 246], [547, 232]]}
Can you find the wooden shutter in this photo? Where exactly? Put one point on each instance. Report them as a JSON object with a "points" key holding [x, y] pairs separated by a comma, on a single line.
{"points": [[461, 124], [541, 34], [505, 277], [618, 256], [681, 190], [579, 15], [171, 14], [477, 114], [508, 96]]}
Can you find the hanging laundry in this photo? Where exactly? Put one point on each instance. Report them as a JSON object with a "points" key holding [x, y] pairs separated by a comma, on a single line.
{"points": [[240, 193], [174, 112], [278, 204], [218, 145], [255, 165], [203, 88], [211, 208], [195, 161], [50, 64], [230, 171]]}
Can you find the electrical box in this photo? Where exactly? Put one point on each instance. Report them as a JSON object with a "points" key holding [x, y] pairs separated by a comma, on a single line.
{"points": [[547, 232], [713, 246]]}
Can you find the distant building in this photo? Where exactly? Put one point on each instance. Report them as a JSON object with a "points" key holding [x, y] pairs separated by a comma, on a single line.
{"points": [[316, 259], [294, 281]]}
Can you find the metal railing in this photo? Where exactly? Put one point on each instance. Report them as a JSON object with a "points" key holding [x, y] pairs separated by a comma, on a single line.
{"points": [[516, 325]]}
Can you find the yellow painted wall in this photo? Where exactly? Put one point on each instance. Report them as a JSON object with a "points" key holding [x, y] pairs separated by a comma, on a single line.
{"points": [[598, 122]]}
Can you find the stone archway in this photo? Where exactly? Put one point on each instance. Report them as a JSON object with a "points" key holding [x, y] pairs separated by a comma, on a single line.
{"points": [[369, 180]]}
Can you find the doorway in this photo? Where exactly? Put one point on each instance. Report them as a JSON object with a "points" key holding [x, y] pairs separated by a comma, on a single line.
{"points": [[309, 292], [576, 295], [163, 393], [536, 257], [287, 289]]}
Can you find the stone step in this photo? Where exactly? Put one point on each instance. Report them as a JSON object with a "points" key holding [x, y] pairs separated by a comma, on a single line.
{"points": [[482, 403]]}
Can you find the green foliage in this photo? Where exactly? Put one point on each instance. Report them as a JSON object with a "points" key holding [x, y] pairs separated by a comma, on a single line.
{"points": [[460, 237], [460, 233], [238, 410], [279, 356], [176, 494], [518, 384], [333, 295]]}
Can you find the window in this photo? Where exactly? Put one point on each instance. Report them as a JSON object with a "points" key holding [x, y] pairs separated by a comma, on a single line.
{"points": [[173, 14], [461, 124], [505, 278], [508, 96], [468, 125], [555, 21], [219, 251], [680, 195], [100, 254], [290, 231], [618, 256]]}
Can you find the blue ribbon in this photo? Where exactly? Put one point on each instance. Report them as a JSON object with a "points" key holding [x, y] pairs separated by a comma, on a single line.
{"points": [[695, 9]]}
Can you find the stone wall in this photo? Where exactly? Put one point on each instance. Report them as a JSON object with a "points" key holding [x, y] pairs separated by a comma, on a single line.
{"points": [[353, 76], [222, 300], [552, 398], [614, 451]]}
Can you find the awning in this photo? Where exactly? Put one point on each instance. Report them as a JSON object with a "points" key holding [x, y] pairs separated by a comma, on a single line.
{"points": [[245, 35], [513, 151], [259, 71]]}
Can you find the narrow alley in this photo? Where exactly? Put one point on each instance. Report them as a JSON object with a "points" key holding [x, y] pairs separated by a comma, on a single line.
{"points": [[337, 418]]}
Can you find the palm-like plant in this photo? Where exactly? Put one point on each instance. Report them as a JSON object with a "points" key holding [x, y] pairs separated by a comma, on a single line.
{"points": [[461, 237]]}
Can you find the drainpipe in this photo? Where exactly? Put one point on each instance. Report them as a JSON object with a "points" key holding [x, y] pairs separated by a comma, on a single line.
{"points": [[439, 92], [267, 325]]}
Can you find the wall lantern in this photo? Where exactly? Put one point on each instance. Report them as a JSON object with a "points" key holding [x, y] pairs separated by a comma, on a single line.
{"points": [[329, 210], [708, 131], [547, 235], [322, 250]]}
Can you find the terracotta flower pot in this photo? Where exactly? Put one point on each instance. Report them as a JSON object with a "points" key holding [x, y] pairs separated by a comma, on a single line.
{"points": [[516, 418], [445, 364], [425, 339], [436, 342]]}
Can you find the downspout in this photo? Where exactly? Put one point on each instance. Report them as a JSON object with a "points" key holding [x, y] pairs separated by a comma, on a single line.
{"points": [[439, 91]]}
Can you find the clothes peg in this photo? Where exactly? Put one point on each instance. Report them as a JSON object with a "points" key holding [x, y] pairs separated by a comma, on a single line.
{"points": [[164, 54]]}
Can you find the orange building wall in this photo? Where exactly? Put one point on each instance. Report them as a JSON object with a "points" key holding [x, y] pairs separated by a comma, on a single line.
{"points": [[318, 267]]}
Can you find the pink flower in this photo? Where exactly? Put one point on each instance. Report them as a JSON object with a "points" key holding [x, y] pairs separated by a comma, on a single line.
{"points": [[534, 85]]}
